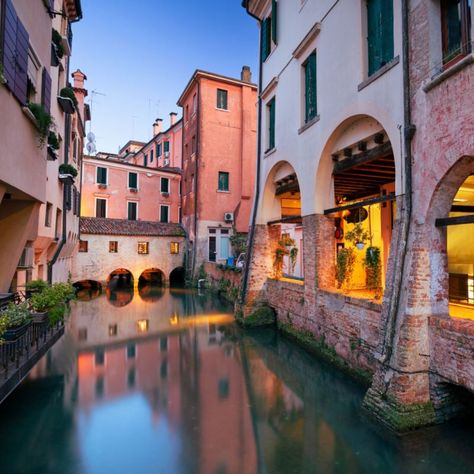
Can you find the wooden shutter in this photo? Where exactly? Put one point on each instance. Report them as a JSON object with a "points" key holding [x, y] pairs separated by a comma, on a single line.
{"points": [[387, 32], [9, 45], [21, 77], [271, 128], [132, 180], [167, 146], [275, 21], [310, 88], [46, 91], [266, 38]]}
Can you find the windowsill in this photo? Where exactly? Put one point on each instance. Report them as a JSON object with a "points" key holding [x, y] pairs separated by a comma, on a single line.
{"points": [[379, 73], [442, 76], [222, 191], [308, 124], [269, 152], [222, 110]]}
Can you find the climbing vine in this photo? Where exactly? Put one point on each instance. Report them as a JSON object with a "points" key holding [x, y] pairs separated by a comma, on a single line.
{"points": [[345, 266]]}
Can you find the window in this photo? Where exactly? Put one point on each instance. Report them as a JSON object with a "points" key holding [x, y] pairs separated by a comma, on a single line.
{"points": [[47, 217], [101, 175], [131, 351], [193, 145], [223, 388], [113, 330], [83, 246], [133, 180], [163, 344], [269, 31], [142, 325], [222, 99], [145, 160], [132, 208], [158, 150], [271, 123], [99, 357], [187, 112], [310, 88], [194, 103], [164, 214], [151, 156], [379, 33], [113, 246], [223, 181], [142, 248], [101, 208], [174, 247], [167, 146], [456, 28], [165, 185]]}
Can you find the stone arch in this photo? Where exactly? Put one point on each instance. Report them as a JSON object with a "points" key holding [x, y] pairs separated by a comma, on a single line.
{"points": [[177, 277], [152, 276], [436, 238], [87, 290], [120, 277]]}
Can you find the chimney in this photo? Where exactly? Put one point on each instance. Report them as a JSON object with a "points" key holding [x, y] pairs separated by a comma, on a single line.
{"points": [[173, 116], [79, 78], [246, 74], [157, 126]]}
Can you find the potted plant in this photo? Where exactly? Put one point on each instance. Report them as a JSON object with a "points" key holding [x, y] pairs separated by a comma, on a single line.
{"points": [[67, 100], [67, 173], [286, 245], [373, 270], [344, 266], [54, 143], [43, 121], [35, 286], [65, 291], [57, 41], [358, 236], [18, 320]]}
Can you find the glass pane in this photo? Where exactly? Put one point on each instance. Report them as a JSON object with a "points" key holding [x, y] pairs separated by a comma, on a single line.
{"points": [[224, 247]]}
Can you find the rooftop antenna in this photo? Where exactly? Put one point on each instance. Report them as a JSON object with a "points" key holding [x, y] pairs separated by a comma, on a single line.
{"points": [[94, 93]]}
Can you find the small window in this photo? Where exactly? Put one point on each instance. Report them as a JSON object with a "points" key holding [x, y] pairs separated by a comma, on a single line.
{"points": [[223, 388], [193, 144], [271, 106], [269, 32], [113, 246], [101, 208], [83, 246], [145, 160], [132, 211], [131, 351], [158, 150], [167, 146], [133, 180], [222, 99], [223, 181], [194, 103], [113, 330], [163, 344], [142, 325], [456, 28], [101, 175], [47, 217], [151, 156], [174, 247], [310, 88], [142, 248], [164, 369], [379, 33], [187, 112], [99, 357], [164, 214], [165, 185]]}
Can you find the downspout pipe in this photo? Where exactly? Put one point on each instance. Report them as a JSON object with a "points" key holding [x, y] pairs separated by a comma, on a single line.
{"points": [[251, 239], [408, 133]]}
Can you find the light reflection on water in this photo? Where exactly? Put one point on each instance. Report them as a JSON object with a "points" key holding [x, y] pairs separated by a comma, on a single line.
{"points": [[167, 383]]}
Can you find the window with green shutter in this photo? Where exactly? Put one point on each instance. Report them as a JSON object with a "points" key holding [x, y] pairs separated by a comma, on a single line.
{"points": [[133, 180], [271, 123], [379, 33], [223, 181], [310, 88], [151, 156], [101, 175], [275, 22], [158, 150], [167, 147], [132, 211], [266, 42], [456, 28], [222, 99], [145, 160]]}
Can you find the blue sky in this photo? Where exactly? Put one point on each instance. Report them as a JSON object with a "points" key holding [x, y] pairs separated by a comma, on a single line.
{"points": [[141, 55]]}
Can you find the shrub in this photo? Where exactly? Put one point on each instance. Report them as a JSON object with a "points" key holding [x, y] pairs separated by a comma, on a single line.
{"points": [[68, 93], [16, 315], [39, 285], [53, 141], [345, 266], [65, 291], [44, 121], [57, 40], [66, 168]]}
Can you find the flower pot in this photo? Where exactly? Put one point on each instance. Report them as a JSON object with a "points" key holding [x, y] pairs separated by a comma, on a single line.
{"points": [[360, 245], [12, 334], [39, 317], [66, 178]]}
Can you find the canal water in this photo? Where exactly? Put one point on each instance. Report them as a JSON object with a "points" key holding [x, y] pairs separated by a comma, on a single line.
{"points": [[163, 381]]}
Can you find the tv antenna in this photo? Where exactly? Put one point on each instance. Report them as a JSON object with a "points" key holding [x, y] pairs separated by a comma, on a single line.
{"points": [[94, 93]]}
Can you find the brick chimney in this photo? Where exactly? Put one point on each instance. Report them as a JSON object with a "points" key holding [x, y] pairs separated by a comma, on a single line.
{"points": [[173, 116], [157, 126], [246, 74], [79, 78]]}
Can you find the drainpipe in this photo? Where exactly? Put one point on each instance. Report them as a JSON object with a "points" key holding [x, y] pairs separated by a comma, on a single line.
{"points": [[245, 279], [67, 134], [408, 133], [196, 187]]}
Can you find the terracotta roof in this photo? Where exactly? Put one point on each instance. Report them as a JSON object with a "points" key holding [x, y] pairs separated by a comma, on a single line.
{"points": [[100, 225]]}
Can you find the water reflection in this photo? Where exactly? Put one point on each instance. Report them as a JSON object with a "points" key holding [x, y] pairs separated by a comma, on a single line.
{"points": [[172, 385]]}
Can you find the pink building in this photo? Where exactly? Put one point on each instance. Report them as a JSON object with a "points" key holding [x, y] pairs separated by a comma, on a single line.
{"points": [[219, 156], [116, 189]]}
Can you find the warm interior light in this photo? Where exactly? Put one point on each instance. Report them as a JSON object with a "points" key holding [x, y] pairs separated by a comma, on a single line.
{"points": [[142, 325]]}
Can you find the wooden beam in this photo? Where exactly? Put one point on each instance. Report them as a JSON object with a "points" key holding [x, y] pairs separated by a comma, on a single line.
{"points": [[461, 208], [356, 205], [287, 188], [287, 220], [364, 157], [445, 221]]}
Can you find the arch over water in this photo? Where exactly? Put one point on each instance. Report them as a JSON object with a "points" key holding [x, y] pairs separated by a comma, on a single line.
{"points": [[177, 277], [87, 290], [121, 277], [152, 276]]}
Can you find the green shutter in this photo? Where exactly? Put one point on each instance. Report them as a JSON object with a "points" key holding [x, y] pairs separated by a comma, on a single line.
{"points": [[271, 124], [310, 88], [266, 38], [275, 21], [167, 147], [101, 175], [387, 31], [379, 33], [132, 180], [223, 184]]}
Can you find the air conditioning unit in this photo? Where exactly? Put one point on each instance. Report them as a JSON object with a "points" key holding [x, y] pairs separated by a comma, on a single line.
{"points": [[229, 217], [167, 154], [166, 162]]}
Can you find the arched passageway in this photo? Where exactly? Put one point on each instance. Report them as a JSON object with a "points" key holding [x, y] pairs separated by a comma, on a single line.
{"points": [[151, 276], [87, 290], [177, 278], [120, 278]]}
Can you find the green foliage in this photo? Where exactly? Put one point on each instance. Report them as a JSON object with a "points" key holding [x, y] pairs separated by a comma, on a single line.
{"points": [[65, 291], [56, 314], [44, 121], [373, 268], [223, 284], [57, 40], [262, 315], [286, 246], [53, 141], [3, 325], [358, 235], [201, 275], [68, 93], [66, 168], [38, 285], [16, 315], [52, 299], [238, 242], [344, 266]]}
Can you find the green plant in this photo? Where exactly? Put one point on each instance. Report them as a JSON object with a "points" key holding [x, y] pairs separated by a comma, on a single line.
{"points": [[344, 266], [3, 325], [68, 93], [286, 246], [358, 235], [373, 266], [293, 254], [238, 241], [53, 140], [16, 315], [39, 285], [44, 121], [58, 42], [44, 301], [65, 291], [66, 168]]}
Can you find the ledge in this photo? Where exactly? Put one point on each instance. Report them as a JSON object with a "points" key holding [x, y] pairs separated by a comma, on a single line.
{"points": [[308, 125], [361, 302], [269, 152], [271, 85], [379, 73], [442, 76], [307, 40]]}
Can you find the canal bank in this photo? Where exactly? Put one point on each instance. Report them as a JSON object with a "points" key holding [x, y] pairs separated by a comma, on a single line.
{"points": [[165, 381]]}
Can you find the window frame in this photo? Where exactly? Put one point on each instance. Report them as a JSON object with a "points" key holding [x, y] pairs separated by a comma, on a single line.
{"points": [[307, 116], [106, 175], [271, 124], [223, 174], [222, 99], [174, 248], [106, 207], [83, 246], [113, 246], [128, 210], [163, 179], [162, 206], [128, 179], [143, 248]]}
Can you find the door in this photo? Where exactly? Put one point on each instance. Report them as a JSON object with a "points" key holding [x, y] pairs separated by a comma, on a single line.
{"points": [[212, 248], [224, 247]]}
